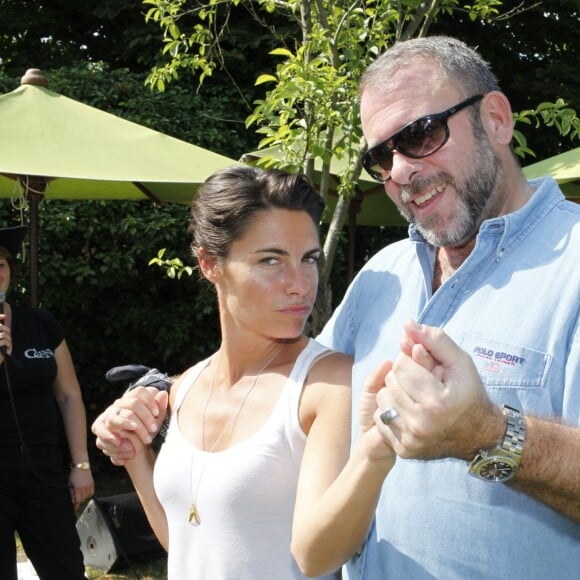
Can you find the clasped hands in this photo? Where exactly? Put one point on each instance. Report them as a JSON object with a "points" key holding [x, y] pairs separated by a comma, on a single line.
{"points": [[130, 424], [442, 408]]}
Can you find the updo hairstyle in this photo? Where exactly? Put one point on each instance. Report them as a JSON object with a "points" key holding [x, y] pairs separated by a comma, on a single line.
{"points": [[231, 199]]}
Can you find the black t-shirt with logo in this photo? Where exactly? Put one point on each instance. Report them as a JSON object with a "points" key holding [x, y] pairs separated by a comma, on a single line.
{"points": [[31, 372]]}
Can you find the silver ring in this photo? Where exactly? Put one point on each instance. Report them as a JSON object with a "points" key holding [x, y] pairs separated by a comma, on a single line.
{"points": [[389, 415]]}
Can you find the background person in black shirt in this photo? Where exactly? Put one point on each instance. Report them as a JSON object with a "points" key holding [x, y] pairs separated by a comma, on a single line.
{"points": [[39, 392]]}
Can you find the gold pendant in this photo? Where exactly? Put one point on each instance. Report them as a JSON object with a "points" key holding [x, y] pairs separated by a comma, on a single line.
{"points": [[193, 515]]}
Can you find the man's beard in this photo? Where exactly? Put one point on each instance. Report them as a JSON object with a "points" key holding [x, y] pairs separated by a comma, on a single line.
{"points": [[473, 197]]}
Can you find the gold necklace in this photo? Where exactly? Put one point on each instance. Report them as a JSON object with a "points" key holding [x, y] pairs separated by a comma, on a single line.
{"points": [[193, 516]]}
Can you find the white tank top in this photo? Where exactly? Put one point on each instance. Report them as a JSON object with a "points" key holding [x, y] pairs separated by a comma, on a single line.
{"points": [[245, 496]]}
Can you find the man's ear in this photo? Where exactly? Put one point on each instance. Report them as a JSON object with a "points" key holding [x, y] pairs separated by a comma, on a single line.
{"points": [[497, 118], [208, 265]]}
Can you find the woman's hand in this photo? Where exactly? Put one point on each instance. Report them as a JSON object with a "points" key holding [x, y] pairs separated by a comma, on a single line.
{"points": [[129, 425], [81, 486], [5, 338]]}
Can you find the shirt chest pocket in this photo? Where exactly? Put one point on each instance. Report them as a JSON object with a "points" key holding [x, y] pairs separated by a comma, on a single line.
{"points": [[512, 374]]}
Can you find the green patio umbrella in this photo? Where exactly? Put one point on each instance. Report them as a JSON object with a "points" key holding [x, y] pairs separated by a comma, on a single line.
{"points": [[54, 147], [564, 168]]}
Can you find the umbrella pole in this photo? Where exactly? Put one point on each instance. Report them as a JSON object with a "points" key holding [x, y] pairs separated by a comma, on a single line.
{"points": [[34, 189]]}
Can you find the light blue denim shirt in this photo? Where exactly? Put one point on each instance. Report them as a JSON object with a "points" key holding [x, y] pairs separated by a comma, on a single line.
{"points": [[514, 306]]}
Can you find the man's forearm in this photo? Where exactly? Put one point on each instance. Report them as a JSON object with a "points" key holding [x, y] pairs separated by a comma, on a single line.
{"points": [[550, 470]]}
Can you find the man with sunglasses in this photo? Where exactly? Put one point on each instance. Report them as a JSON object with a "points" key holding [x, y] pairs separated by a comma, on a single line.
{"points": [[487, 479]]}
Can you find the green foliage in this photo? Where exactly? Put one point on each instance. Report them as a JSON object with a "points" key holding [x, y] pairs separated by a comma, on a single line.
{"points": [[211, 118], [532, 67], [556, 114], [94, 274], [174, 267], [52, 34], [310, 109]]}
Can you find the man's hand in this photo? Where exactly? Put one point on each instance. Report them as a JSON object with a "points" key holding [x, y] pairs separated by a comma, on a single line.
{"points": [[444, 410]]}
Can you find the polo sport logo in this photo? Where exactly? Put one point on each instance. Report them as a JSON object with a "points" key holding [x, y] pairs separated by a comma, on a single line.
{"points": [[33, 353], [496, 359]]}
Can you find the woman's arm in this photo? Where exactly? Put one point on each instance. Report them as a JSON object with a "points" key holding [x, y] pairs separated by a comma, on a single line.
{"points": [[140, 471], [337, 495], [68, 396], [130, 421]]}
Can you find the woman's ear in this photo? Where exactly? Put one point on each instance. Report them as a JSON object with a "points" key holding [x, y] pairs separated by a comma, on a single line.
{"points": [[497, 118], [208, 265]]}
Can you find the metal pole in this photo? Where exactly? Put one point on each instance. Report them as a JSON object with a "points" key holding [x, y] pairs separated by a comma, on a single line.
{"points": [[34, 187]]}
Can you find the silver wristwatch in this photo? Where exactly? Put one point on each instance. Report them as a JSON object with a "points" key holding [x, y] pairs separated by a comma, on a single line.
{"points": [[502, 462]]}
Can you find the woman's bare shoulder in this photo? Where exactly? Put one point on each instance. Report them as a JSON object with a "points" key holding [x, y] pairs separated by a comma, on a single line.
{"points": [[334, 367]]}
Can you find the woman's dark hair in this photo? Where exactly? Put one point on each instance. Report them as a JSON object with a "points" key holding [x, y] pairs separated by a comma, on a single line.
{"points": [[230, 199], [7, 255]]}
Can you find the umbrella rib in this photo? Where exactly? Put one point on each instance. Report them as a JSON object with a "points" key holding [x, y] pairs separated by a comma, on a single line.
{"points": [[147, 193]]}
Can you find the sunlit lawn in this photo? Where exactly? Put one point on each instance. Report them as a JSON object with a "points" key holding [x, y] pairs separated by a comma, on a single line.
{"points": [[151, 570], [155, 569]]}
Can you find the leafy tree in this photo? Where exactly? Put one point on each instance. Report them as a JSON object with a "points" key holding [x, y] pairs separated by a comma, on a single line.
{"points": [[310, 110], [532, 67], [54, 33]]}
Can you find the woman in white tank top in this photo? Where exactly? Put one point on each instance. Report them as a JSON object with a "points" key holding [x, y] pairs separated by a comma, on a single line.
{"points": [[242, 488]]}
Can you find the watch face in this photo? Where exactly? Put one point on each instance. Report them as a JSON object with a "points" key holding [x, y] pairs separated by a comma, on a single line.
{"points": [[496, 468]]}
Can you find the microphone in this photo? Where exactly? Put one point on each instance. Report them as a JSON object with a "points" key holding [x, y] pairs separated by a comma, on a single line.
{"points": [[2, 300]]}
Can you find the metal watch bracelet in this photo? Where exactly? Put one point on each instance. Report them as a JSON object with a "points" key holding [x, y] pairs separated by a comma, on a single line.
{"points": [[513, 441]]}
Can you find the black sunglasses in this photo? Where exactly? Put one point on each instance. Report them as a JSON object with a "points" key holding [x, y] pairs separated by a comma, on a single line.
{"points": [[417, 139]]}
